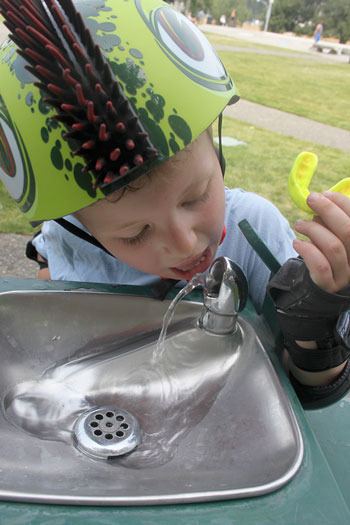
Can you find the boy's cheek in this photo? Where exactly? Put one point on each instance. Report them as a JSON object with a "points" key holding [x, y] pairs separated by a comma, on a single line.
{"points": [[144, 261]]}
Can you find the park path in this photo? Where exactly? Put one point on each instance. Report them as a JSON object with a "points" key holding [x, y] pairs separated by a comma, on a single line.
{"points": [[274, 51], [277, 41], [13, 262], [290, 125]]}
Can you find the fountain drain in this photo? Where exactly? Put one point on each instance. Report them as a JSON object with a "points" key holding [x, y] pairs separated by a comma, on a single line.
{"points": [[106, 432]]}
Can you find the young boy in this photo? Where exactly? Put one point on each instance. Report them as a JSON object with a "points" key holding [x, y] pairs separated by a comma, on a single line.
{"points": [[137, 177]]}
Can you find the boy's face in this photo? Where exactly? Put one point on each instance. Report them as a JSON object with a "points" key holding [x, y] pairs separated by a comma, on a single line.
{"points": [[172, 225]]}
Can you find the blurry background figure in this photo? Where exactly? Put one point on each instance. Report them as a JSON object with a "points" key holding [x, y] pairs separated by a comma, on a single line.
{"points": [[191, 17], [233, 18], [318, 32], [201, 17], [222, 20], [210, 19]]}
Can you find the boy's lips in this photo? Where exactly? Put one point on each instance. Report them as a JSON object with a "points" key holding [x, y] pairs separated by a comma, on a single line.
{"points": [[190, 267]]}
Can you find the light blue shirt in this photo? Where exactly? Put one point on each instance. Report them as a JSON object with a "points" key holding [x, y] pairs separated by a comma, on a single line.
{"points": [[73, 259]]}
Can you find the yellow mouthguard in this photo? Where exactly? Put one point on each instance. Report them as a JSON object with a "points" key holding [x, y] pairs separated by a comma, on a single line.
{"points": [[300, 177]]}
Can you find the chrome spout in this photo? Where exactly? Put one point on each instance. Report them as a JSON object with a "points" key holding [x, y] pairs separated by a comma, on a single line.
{"points": [[225, 293]]}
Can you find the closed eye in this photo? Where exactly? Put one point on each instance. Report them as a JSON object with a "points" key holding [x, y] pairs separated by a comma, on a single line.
{"points": [[137, 239], [198, 200]]}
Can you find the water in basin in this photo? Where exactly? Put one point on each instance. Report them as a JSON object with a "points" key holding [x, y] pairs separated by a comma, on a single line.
{"points": [[214, 419], [49, 406]]}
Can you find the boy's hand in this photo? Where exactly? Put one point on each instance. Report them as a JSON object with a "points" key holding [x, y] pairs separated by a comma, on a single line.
{"points": [[327, 252]]}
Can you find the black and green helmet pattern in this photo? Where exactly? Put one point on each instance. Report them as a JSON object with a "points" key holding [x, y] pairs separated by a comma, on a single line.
{"points": [[94, 93]]}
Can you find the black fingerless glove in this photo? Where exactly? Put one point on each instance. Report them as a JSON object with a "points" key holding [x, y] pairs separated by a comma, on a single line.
{"points": [[307, 313]]}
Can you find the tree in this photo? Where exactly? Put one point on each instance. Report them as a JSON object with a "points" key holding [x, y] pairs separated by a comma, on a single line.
{"points": [[246, 9], [288, 14], [336, 18], [221, 7]]}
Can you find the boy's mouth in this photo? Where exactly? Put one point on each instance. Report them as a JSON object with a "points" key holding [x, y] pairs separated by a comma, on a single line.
{"points": [[194, 265]]}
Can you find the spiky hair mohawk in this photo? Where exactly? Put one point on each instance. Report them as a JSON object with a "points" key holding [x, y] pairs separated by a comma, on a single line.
{"points": [[53, 39]]}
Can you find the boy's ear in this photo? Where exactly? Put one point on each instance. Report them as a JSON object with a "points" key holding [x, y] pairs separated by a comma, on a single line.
{"points": [[221, 160]]}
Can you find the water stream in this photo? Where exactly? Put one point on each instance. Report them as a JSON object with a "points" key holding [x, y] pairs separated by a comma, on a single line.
{"points": [[197, 280]]}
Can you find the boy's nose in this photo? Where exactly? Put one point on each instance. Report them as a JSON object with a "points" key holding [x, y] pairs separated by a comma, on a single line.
{"points": [[181, 239]]}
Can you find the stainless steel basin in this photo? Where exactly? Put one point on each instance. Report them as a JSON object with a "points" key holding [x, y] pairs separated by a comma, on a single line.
{"points": [[215, 421]]}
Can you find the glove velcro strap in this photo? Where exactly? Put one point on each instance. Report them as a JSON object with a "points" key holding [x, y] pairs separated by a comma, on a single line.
{"points": [[321, 396], [295, 326], [317, 359], [305, 311]]}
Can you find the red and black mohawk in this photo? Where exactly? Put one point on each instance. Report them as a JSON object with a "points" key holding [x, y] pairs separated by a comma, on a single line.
{"points": [[53, 39]]}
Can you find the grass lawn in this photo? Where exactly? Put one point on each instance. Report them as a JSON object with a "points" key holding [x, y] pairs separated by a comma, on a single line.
{"points": [[262, 166], [11, 219], [312, 89]]}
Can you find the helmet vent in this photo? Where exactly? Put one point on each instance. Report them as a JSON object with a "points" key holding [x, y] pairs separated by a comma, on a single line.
{"points": [[102, 126]]}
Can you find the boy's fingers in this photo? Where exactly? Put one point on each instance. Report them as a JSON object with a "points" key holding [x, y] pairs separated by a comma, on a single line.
{"points": [[339, 199], [331, 248], [328, 207], [317, 264], [328, 202], [334, 216], [324, 239]]}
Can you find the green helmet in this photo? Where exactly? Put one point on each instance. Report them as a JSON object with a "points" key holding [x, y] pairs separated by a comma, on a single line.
{"points": [[95, 93]]}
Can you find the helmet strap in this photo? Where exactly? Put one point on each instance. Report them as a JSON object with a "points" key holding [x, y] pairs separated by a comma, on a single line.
{"points": [[78, 232], [221, 156]]}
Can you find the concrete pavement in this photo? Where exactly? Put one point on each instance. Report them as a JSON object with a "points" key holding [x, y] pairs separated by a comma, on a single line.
{"points": [[283, 41], [3, 32], [290, 125], [274, 51], [13, 261]]}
